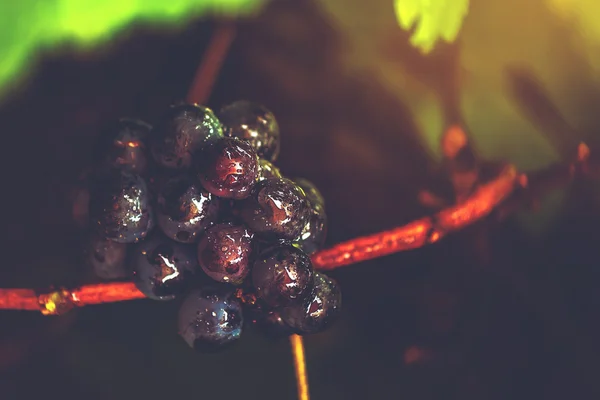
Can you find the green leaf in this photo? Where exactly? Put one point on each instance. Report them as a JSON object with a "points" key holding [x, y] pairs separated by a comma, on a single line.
{"points": [[27, 26], [432, 20]]}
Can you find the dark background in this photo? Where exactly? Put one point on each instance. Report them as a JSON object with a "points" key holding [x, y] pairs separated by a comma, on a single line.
{"points": [[493, 312]]}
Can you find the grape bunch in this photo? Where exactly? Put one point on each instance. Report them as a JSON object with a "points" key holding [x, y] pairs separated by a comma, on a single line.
{"points": [[193, 208]]}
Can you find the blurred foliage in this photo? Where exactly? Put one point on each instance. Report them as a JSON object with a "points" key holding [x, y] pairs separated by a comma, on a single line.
{"points": [[583, 14], [431, 20], [30, 25], [557, 41]]}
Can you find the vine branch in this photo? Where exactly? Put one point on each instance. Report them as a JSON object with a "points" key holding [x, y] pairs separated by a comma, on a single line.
{"points": [[502, 195]]}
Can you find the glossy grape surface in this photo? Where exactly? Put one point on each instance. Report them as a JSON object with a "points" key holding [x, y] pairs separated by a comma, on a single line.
{"points": [[162, 267], [120, 208], [277, 209], [318, 310], [185, 209], [312, 237], [182, 131], [224, 253], [210, 318], [282, 275], [253, 123], [228, 168], [267, 169], [313, 194], [314, 233]]}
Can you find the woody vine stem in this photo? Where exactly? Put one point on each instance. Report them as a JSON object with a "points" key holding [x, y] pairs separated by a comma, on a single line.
{"points": [[501, 195]]}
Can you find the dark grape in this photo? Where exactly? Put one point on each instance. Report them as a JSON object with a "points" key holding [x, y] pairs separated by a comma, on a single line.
{"points": [[210, 318], [267, 169], [107, 258], [123, 146], [228, 168], [120, 207], [282, 275], [224, 251], [253, 123], [277, 208], [313, 194], [221, 205], [318, 310], [314, 232], [185, 209], [161, 267], [260, 245], [272, 325], [183, 130]]}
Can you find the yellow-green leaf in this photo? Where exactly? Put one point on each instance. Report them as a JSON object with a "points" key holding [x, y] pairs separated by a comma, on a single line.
{"points": [[432, 20]]}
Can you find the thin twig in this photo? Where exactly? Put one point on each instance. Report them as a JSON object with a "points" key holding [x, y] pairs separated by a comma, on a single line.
{"points": [[423, 231], [502, 196], [200, 90], [209, 68], [297, 344]]}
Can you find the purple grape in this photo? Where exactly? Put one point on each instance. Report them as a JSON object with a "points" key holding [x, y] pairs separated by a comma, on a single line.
{"points": [[277, 209], [210, 318], [317, 311], [123, 147], [282, 275], [182, 131], [267, 169], [314, 232], [313, 194], [120, 207], [185, 209], [161, 267], [253, 123], [228, 168], [224, 251]]}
